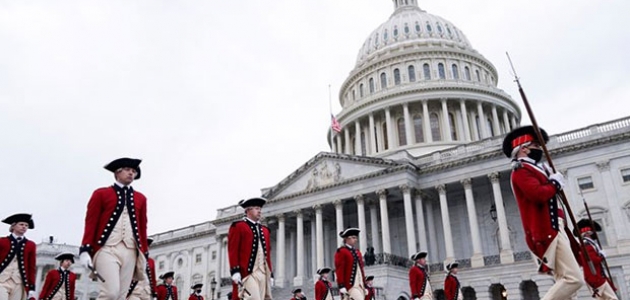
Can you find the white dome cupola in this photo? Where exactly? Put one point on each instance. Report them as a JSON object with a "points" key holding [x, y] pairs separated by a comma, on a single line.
{"points": [[419, 86]]}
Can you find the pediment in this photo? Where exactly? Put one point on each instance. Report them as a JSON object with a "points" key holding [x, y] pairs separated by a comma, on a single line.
{"points": [[328, 169]]}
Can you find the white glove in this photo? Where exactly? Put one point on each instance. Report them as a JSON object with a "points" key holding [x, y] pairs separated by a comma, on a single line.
{"points": [[343, 291], [559, 178], [602, 253], [273, 282], [236, 277], [416, 298], [86, 260], [32, 295]]}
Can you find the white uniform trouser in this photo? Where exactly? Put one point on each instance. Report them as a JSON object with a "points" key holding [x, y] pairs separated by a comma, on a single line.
{"points": [[61, 293], [606, 292], [428, 292], [567, 272], [142, 291], [116, 265], [11, 287], [256, 285], [357, 291]]}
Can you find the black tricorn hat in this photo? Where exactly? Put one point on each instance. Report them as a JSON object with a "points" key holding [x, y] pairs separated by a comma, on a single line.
{"points": [[349, 232], [27, 218], [298, 290], [368, 278], [65, 255], [125, 163], [197, 286], [419, 255], [520, 136], [584, 225], [256, 201], [452, 265], [323, 270], [167, 275]]}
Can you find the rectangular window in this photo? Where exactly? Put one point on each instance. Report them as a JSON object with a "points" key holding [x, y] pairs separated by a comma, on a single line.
{"points": [[214, 255], [625, 175], [585, 183], [79, 276], [198, 258], [161, 265]]}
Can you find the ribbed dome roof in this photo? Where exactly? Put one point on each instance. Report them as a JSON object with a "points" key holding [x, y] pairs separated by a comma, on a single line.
{"points": [[410, 24]]}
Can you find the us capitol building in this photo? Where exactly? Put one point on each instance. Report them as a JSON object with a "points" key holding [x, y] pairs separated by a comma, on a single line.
{"points": [[418, 166]]}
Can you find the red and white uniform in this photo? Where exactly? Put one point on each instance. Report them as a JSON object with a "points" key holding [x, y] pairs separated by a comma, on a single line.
{"points": [[17, 267], [166, 292], [419, 283], [144, 289], [452, 288], [322, 290], [194, 296], [349, 271], [249, 251], [597, 281], [371, 293], [59, 285]]}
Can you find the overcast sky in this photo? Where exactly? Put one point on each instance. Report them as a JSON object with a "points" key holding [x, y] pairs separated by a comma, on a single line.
{"points": [[223, 98]]}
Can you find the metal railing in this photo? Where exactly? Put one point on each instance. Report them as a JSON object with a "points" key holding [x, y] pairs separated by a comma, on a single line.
{"points": [[387, 259]]}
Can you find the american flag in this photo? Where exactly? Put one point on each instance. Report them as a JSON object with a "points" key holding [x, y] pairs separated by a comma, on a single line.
{"points": [[335, 124]]}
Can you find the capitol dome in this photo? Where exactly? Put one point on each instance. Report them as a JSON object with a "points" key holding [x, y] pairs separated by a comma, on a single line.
{"points": [[418, 86]]}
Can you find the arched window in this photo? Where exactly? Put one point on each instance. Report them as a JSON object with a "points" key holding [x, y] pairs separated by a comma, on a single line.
{"points": [[361, 90], [402, 133], [417, 27], [363, 143], [385, 35], [406, 28], [467, 73], [451, 122], [441, 72], [383, 81], [395, 31], [455, 72], [417, 126], [371, 85], [385, 139], [496, 292], [529, 290], [412, 73], [435, 127], [490, 128], [396, 76], [478, 77], [429, 29], [427, 71]]}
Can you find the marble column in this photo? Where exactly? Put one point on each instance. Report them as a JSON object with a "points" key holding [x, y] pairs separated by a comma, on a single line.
{"points": [[426, 125], [411, 234], [299, 278], [506, 254], [333, 147], [339, 143], [462, 107], [391, 142], [319, 235], [361, 216], [291, 271], [408, 133], [445, 121], [619, 220], [513, 121], [346, 137], [495, 121], [314, 248], [477, 258], [374, 227], [339, 218], [279, 270], [220, 262], [433, 247], [372, 138], [483, 130], [446, 224], [387, 247], [506, 121], [357, 138], [422, 232]]}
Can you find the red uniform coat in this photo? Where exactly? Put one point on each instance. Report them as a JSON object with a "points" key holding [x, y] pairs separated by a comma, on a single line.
{"points": [[194, 296], [103, 211], [243, 241], [54, 280], [451, 287], [322, 289], [418, 279], [301, 298], [347, 260], [598, 278], [166, 291], [535, 195], [24, 252], [371, 294]]}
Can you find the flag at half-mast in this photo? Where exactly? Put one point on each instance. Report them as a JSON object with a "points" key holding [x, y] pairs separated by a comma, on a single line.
{"points": [[335, 124]]}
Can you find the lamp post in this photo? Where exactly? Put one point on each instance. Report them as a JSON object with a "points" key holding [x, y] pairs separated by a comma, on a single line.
{"points": [[213, 286], [493, 212]]}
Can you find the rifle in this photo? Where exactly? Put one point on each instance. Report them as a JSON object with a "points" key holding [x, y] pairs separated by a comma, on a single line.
{"points": [[543, 145], [588, 213]]}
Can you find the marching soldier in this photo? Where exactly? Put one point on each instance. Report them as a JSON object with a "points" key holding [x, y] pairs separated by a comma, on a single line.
{"points": [[60, 282], [452, 288], [115, 237], [196, 295], [349, 267], [249, 251], [144, 290], [298, 295], [369, 287], [419, 278], [598, 282], [17, 260], [535, 189], [323, 286], [166, 290]]}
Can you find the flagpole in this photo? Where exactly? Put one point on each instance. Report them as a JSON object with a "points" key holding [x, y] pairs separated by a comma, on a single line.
{"points": [[330, 120]]}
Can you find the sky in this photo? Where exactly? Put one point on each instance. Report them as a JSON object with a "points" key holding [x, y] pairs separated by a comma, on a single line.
{"points": [[223, 98]]}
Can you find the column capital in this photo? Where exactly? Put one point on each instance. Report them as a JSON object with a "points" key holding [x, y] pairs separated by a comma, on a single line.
{"points": [[338, 203], [466, 182], [494, 177], [420, 193], [441, 188], [381, 192], [405, 188], [281, 217], [359, 198], [603, 165], [317, 207], [298, 212]]}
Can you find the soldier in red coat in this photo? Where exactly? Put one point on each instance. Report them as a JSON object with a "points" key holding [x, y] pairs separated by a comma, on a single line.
{"points": [[452, 288], [115, 235], [419, 278], [369, 287], [535, 189], [196, 295], [17, 260], [166, 290], [60, 282], [349, 267], [249, 251], [298, 295], [323, 286], [144, 290], [598, 282]]}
